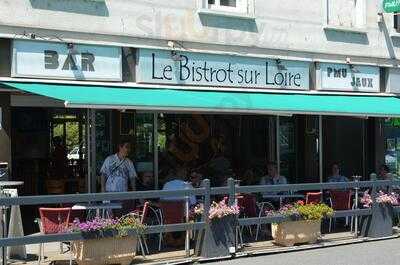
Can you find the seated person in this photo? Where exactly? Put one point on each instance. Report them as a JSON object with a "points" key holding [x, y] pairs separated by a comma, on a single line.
{"points": [[272, 178], [196, 178], [384, 173], [145, 181], [177, 182], [336, 177]]}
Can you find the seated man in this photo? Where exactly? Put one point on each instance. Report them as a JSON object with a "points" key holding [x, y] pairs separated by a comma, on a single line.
{"points": [[336, 177], [177, 182], [273, 178]]}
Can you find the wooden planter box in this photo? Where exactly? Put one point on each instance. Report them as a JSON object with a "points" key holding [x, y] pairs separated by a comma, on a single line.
{"points": [[379, 223], [295, 232], [219, 238], [106, 250]]}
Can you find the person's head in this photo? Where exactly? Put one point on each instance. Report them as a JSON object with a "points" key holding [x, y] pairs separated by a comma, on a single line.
{"points": [[57, 141], [124, 147], [147, 178], [196, 177], [383, 170], [335, 169], [272, 169]]}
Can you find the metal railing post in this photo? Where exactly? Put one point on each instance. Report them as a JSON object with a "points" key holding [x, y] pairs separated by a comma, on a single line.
{"points": [[207, 199], [187, 239], [231, 187], [356, 179]]}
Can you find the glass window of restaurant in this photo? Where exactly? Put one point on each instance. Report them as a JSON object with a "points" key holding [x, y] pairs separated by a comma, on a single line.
{"points": [[218, 146], [391, 138]]}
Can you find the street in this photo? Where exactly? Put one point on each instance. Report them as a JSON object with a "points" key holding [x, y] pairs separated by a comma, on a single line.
{"points": [[384, 252]]}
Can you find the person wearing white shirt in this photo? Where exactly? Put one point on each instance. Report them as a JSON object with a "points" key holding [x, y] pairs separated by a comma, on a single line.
{"points": [[272, 178], [178, 183]]}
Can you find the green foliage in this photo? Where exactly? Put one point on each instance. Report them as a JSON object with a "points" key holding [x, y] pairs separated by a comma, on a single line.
{"points": [[314, 211], [128, 223], [72, 131]]}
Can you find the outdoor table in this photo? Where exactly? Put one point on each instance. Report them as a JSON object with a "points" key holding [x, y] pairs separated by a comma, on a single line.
{"points": [[16, 229], [283, 196], [97, 207]]}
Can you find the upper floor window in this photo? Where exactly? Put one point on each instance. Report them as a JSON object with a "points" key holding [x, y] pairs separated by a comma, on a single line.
{"points": [[396, 19], [346, 13], [239, 6]]}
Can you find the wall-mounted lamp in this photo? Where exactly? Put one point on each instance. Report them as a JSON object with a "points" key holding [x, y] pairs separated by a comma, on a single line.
{"points": [[175, 56], [279, 65], [71, 48], [353, 69]]}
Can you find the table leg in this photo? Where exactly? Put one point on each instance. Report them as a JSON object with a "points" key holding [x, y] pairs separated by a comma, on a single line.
{"points": [[3, 234]]}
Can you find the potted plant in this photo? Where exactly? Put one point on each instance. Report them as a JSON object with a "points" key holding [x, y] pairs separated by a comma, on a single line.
{"points": [[219, 236], [380, 222], [302, 223], [107, 241]]}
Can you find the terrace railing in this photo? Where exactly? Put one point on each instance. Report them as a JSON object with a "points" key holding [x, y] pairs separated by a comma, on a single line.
{"points": [[205, 191]]}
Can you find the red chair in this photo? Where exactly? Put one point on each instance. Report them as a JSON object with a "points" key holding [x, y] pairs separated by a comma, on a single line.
{"points": [[172, 212], [52, 221], [340, 200], [247, 204], [75, 214], [313, 197]]}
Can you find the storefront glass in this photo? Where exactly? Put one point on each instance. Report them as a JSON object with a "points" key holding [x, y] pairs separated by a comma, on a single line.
{"points": [[219, 146], [391, 131]]}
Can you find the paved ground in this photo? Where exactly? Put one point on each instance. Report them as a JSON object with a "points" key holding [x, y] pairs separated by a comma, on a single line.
{"points": [[386, 252]]}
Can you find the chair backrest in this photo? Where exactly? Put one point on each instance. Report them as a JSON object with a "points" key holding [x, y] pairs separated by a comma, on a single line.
{"points": [[313, 197], [248, 205], [75, 214], [341, 200], [173, 211], [54, 220], [145, 212]]}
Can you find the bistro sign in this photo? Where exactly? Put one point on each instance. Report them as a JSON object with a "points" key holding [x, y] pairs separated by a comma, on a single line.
{"points": [[186, 68], [346, 77], [61, 61]]}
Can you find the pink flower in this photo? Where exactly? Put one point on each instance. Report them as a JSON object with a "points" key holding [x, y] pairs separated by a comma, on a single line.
{"points": [[221, 209]]}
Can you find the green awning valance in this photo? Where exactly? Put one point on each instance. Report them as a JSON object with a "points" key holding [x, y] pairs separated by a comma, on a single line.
{"points": [[212, 101]]}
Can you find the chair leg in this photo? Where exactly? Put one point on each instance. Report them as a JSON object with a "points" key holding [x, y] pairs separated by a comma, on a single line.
{"points": [[145, 244], [258, 230], [40, 253], [330, 225], [61, 248], [159, 241], [70, 253], [141, 247]]}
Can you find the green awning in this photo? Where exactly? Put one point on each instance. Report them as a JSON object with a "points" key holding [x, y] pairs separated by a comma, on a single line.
{"points": [[78, 96]]}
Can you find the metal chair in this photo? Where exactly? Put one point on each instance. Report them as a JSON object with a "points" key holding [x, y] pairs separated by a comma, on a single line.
{"points": [[339, 200], [313, 197], [172, 212], [247, 204], [263, 206], [53, 221]]}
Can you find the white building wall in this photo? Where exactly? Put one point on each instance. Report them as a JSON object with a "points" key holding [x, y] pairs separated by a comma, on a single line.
{"points": [[281, 28]]}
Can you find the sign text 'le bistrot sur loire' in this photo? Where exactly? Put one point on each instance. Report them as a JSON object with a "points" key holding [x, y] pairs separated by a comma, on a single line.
{"points": [[188, 68], [61, 61]]}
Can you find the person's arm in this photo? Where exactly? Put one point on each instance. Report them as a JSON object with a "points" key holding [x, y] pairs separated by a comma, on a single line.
{"points": [[103, 183], [132, 175], [103, 175]]}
